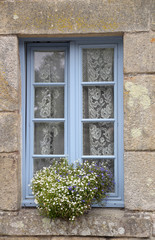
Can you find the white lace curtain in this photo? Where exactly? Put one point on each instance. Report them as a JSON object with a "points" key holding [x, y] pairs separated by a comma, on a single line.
{"points": [[97, 102], [49, 103]]}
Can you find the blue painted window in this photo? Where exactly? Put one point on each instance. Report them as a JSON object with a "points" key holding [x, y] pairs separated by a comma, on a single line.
{"points": [[72, 106]]}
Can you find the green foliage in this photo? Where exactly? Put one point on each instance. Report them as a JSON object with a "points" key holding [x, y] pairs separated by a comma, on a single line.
{"points": [[67, 191]]}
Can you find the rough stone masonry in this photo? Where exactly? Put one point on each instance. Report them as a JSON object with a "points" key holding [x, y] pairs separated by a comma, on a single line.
{"points": [[135, 21]]}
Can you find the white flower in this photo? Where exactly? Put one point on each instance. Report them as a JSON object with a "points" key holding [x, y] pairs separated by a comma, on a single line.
{"points": [[35, 201]]}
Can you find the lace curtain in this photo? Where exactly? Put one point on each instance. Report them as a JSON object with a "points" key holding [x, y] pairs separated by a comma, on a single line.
{"points": [[98, 101], [49, 103]]}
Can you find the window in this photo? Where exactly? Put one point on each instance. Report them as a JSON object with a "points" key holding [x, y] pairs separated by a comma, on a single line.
{"points": [[72, 106]]}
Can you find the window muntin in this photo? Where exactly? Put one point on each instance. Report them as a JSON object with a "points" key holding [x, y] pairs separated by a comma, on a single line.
{"points": [[78, 97]]}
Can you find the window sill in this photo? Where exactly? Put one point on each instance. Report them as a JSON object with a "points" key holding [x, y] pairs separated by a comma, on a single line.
{"points": [[97, 222]]}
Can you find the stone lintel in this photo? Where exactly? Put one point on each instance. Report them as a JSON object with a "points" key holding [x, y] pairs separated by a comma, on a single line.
{"points": [[72, 16]]}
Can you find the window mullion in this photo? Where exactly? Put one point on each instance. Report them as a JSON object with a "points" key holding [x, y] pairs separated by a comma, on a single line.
{"points": [[72, 104]]}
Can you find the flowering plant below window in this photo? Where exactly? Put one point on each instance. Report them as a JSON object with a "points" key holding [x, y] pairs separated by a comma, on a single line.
{"points": [[67, 191]]}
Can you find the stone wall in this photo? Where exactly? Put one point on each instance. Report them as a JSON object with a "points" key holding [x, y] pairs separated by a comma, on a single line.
{"points": [[135, 20]]}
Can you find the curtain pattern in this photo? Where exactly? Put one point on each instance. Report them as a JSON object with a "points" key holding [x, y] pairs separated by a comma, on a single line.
{"points": [[49, 101], [98, 64], [98, 100]]}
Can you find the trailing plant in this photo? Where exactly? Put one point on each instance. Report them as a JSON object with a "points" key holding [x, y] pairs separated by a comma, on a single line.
{"points": [[67, 191]]}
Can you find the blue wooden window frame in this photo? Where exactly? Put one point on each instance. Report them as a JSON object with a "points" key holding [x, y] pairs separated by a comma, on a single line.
{"points": [[73, 106]]}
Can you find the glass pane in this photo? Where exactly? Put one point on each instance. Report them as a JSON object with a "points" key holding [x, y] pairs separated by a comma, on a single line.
{"points": [[39, 163], [49, 66], [107, 164], [49, 102], [49, 138], [98, 64], [98, 139], [98, 102]]}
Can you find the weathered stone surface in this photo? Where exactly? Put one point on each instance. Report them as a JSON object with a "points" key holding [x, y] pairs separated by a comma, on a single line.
{"points": [[28, 238], [127, 238], [55, 238], [153, 15], [9, 73], [153, 229], [68, 238], [139, 112], [98, 222], [139, 52], [9, 181], [139, 180], [9, 130], [72, 16]]}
